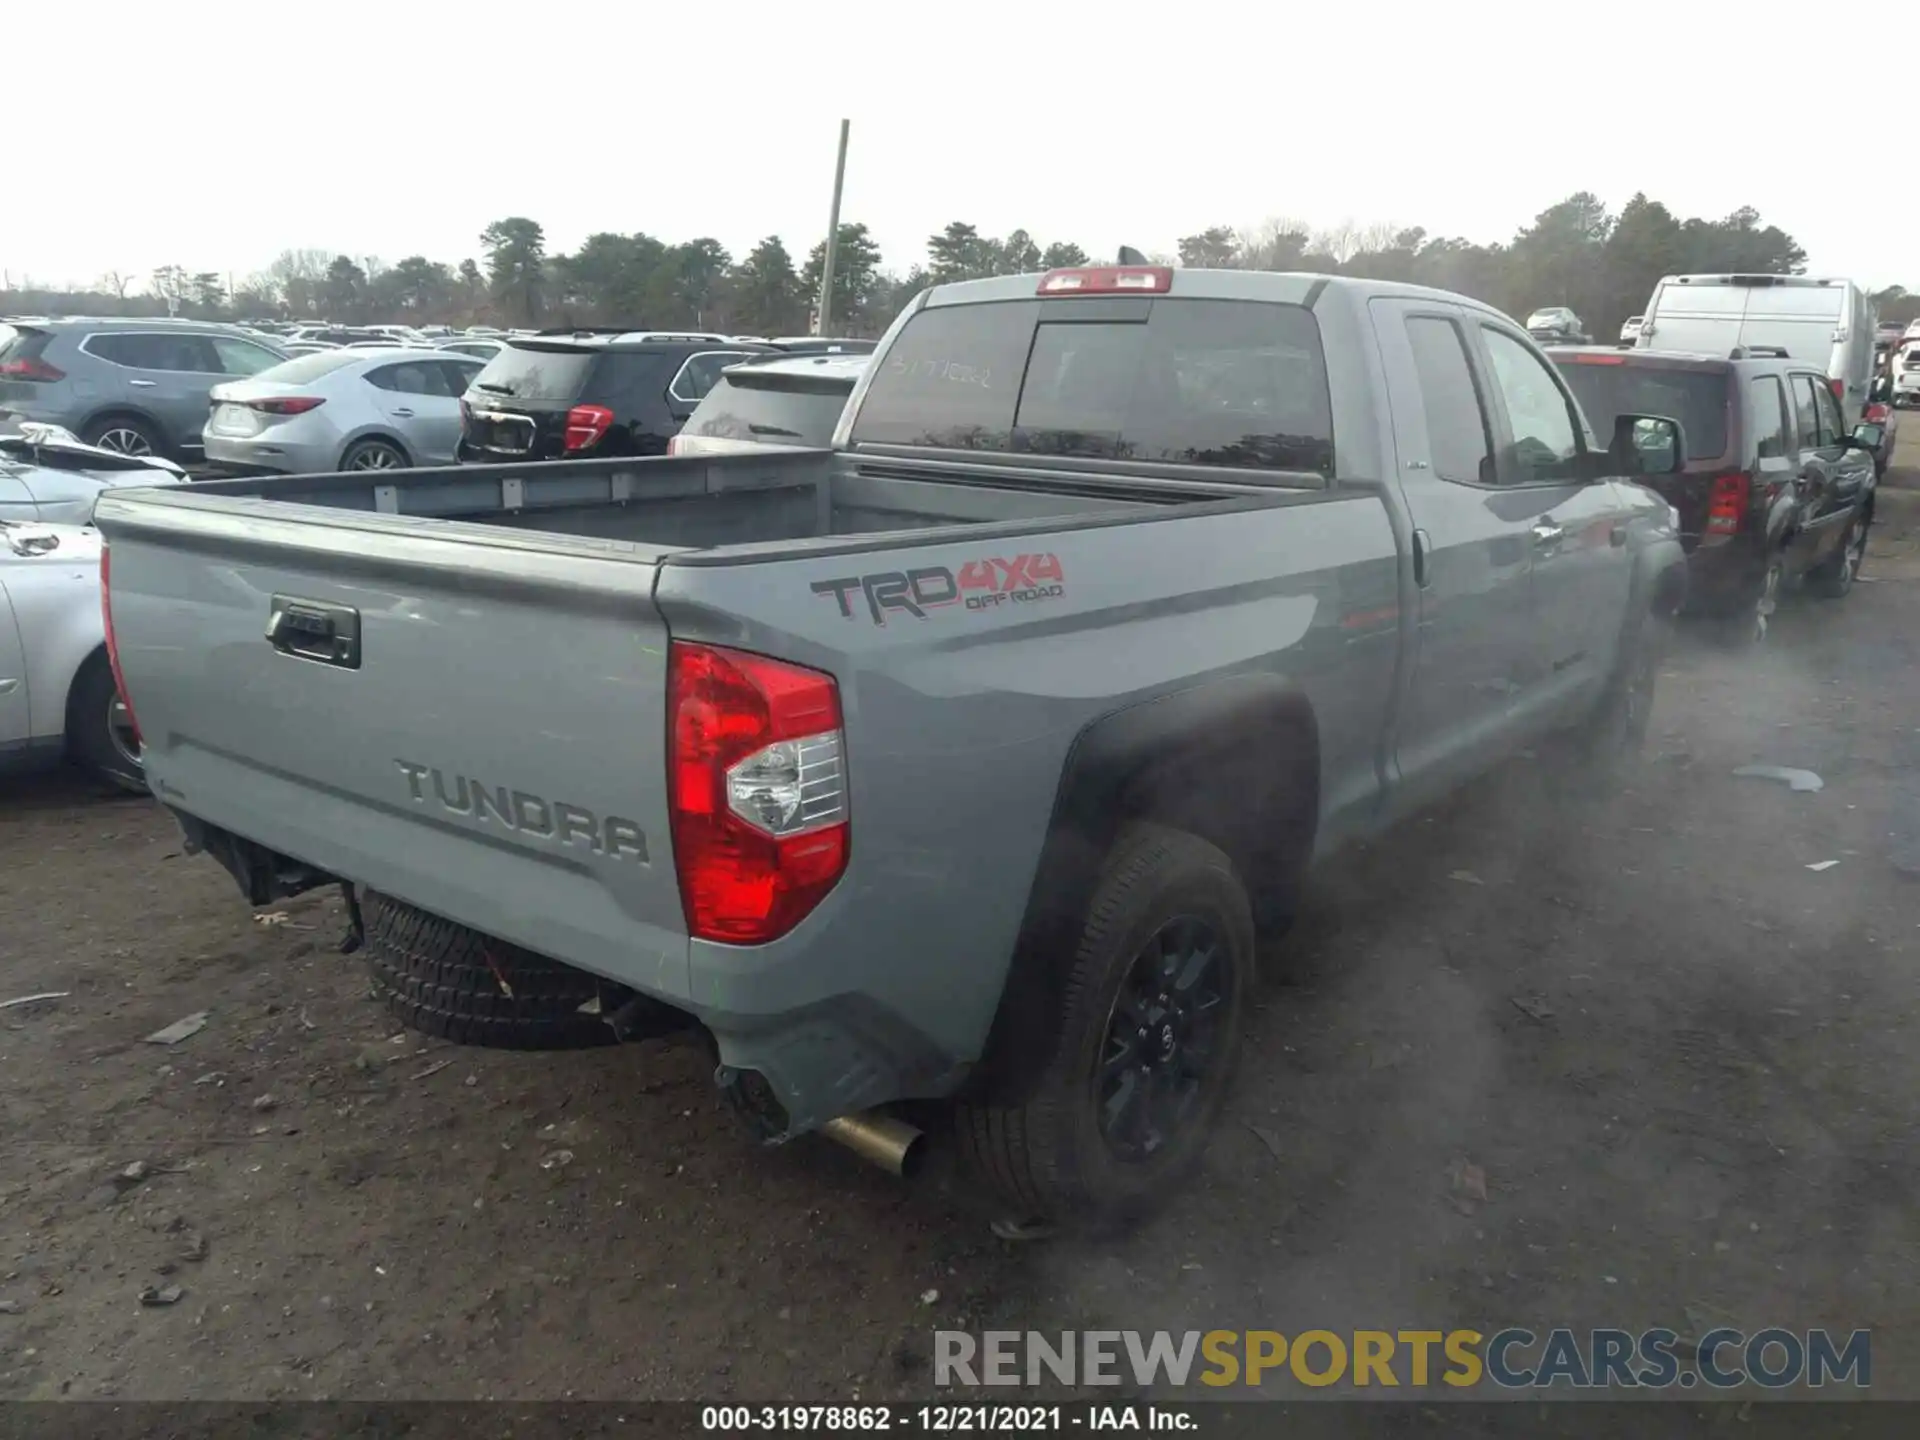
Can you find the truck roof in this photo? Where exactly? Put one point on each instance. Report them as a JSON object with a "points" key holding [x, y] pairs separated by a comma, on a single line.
{"points": [[1287, 287]]}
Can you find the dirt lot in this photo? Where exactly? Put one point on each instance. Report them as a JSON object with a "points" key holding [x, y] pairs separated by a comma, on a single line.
{"points": [[1684, 1060]]}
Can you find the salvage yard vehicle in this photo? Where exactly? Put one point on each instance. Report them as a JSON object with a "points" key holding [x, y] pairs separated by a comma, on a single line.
{"points": [[1775, 491], [345, 409], [132, 385], [1824, 321], [782, 400], [47, 474], [964, 760], [57, 696]]}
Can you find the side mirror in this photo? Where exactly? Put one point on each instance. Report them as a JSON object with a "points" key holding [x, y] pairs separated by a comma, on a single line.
{"points": [[1867, 437], [1648, 445]]}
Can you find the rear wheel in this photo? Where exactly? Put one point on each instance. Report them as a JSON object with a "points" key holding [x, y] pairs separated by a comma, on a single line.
{"points": [[373, 455], [100, 729], [1147, 1041], [1833, 579], [446, 980], [124, 435]]}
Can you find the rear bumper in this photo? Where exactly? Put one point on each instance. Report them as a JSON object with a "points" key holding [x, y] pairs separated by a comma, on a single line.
{"points": [[825, 1050], [270, 454], [1722, 577]]}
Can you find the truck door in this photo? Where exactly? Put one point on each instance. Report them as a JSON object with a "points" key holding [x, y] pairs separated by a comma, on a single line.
{"points": [[1473, 556], [1582, 568]]}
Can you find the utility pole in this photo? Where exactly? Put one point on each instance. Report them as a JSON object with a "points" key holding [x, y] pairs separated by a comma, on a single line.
{"points": [[824, 325]]}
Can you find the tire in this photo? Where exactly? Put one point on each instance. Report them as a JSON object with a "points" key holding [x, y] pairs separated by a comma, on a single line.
{"points": [[1833, 579], [1613, 735], [99, 732], [374, 455], [1049, 1157], [446, 980], [125, 435], [1747, 625]]}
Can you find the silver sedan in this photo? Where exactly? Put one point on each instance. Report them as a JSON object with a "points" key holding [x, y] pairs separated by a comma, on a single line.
{"points": [[342, 410]]}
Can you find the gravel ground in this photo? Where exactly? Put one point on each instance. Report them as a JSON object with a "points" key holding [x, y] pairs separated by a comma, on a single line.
{"points": [[1682, 1060]]}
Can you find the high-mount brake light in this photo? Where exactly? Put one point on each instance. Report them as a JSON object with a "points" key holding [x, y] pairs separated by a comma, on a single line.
{"points": [[1109, 280], [758, 791], [1597, 359]]}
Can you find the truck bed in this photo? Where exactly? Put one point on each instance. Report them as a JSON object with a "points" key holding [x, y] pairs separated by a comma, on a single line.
{"points": [[701, 502]]}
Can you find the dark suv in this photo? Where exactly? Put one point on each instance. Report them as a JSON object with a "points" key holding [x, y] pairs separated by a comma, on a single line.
{"points": [[1774, 490], [576, 396]]}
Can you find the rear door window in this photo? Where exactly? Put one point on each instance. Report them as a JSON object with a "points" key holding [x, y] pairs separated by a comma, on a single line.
{"points": [[412, 377], [153, 350], [700, 373], [242, 357], [1191, 382]]}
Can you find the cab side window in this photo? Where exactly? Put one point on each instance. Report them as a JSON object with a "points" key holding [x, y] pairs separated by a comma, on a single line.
{"points": [[1546, 438], [1831, 428], [1806, 413], [1769, 417], [1459, 441]]}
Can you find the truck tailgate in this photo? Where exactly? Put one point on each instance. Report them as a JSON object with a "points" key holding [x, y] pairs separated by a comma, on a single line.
{"points": [[474, 719]]}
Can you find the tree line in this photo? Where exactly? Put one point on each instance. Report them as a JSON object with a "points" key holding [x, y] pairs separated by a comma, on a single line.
{"points": [[1576, 253]]}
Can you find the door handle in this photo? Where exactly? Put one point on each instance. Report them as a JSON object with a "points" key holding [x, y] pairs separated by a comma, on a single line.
{"points": [[143, 384], [404, 414], [1545, 533]]}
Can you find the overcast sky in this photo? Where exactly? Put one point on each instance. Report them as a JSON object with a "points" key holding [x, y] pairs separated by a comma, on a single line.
{"points": [[214, 135]]}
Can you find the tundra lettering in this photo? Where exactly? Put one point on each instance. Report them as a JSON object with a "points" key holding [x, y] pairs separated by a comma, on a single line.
{"points": [[516, 810]]}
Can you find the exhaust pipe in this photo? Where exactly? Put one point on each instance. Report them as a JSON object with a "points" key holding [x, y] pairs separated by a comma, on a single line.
{"points": [[893, 1145]]}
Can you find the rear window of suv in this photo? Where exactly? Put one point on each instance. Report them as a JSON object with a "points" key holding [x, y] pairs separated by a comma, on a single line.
{"points": [[1609, 388], [772, 409], [1192, 382], [525, 373]]}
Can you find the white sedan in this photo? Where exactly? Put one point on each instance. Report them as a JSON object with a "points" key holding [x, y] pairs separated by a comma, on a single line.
{"points": [[57, 696]]}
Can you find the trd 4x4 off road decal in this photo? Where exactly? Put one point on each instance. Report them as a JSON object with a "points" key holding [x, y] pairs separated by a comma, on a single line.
{"points": [[980, 585]]}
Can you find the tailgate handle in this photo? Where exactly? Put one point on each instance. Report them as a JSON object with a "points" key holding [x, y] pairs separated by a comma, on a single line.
{"points": [[315, 630]]}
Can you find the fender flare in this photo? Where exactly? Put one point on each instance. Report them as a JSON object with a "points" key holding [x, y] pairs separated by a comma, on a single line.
{"points": [[1236, 761]]}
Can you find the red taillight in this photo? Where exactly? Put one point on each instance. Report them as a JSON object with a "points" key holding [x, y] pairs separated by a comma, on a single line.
{"points": [[586, 424], [113, 648], [1727, 506], [759, 792], [1839, 388], [1877, 413], [31, 368], [673, 446], [285, 404], [1109, 279]]}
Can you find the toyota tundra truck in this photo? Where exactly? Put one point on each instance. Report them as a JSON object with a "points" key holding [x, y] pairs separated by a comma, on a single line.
{"points": [[962, 761]]}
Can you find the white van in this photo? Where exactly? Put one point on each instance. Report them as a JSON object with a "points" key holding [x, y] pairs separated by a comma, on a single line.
{"points": [[1827, 321]]}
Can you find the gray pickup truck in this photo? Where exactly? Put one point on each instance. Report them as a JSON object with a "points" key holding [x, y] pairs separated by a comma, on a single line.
{"points": [[962, 761]]}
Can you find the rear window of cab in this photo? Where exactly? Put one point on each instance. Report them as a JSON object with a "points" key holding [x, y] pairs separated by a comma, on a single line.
{"points": [[1178, 382]]}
